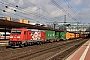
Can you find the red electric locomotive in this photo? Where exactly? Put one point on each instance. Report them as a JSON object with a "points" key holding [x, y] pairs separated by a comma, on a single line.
{"points": [[23, 36]]}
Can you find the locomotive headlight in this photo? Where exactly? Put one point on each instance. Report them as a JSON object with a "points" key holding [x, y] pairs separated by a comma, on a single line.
{"points": [[11, 36], [18, 37]]}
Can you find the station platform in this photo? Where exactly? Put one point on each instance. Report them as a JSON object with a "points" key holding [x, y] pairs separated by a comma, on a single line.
{"points": [[83, 53], [3, 42]]}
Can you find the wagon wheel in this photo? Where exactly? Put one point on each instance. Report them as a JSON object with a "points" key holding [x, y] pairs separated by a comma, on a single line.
{"points": [[51, 40], [25, 44]]}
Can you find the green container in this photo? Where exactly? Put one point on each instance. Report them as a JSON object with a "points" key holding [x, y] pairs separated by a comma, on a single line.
{"points": [[50, 34], [62, 35], [57, 34]]}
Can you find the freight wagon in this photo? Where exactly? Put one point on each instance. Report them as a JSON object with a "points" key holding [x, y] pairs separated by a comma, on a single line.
{"points": [[50, 35], [23, 36]]}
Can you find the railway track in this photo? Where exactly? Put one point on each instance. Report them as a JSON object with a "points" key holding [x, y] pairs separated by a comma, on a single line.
{"points": [[65, 53], [57, 53], [7, 50], [46, 51]]}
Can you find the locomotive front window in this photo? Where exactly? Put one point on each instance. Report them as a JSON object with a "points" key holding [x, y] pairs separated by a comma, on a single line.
{"points": [[16, 31]]}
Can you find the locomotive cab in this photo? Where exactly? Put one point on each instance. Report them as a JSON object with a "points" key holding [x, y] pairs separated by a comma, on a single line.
{"points": [[18, 36]]}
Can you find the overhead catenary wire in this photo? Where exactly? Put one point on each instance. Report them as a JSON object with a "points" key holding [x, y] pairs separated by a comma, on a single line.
{"points": [[25, 13], [63, 10], [69, 6], [15, 14], [46, 17], [41, 9], [30, 13]]}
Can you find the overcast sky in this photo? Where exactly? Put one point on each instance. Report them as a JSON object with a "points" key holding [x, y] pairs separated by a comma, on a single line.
{"points": [[44, 11]]}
